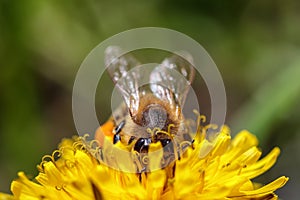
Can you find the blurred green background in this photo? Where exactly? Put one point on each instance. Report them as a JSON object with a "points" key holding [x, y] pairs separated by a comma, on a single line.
{"points": [[255, 44]]}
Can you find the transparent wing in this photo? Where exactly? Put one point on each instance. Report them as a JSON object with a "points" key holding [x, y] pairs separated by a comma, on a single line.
{"points": [[126, 80], [173, 77]]}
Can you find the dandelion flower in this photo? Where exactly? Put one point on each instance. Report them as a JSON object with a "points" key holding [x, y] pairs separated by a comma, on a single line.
{"points": [[208, 169]]}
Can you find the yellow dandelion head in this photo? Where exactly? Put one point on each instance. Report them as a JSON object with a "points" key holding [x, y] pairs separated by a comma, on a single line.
{"points": [[219, 168]]}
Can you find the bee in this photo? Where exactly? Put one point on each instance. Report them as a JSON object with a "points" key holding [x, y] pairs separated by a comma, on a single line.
{"points": [[155, 105]]}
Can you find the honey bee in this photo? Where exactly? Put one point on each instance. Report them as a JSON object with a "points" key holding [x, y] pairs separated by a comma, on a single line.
{"points": [[155, 105]]}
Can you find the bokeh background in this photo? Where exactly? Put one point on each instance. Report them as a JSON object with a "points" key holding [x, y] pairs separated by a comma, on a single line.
{"points": [[255, 44]]}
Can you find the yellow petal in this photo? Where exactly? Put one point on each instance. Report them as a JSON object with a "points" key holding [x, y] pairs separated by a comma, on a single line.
{"points": [[6, 196]]}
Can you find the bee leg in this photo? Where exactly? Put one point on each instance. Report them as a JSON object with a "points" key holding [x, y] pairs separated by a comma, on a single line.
{"points": [[140, 174], [101, 154], [168, 148], [117, 138], [187, 137], [142, 145], [165, 142], [131, 140], [117, 131], [167, 145]]}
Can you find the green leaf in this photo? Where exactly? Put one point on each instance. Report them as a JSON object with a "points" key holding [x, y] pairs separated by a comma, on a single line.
{"points": [[275, 99]]}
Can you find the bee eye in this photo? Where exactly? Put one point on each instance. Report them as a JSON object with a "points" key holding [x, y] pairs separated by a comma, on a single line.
{"points": [[155, 117]]}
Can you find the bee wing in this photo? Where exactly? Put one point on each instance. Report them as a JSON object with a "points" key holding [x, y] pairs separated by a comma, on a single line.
{"points": [[125, 80], [171, 80]]}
